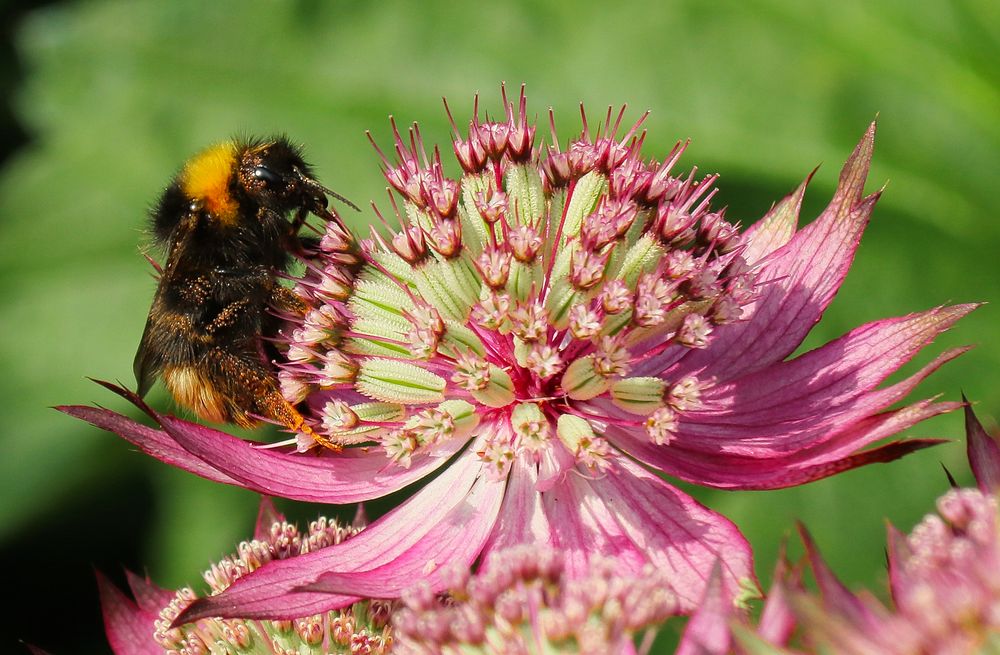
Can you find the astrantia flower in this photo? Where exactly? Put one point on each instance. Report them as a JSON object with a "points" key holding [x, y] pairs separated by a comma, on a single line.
{"points": [[944, 580], [525, 603], [143, 625], [546, 334]]}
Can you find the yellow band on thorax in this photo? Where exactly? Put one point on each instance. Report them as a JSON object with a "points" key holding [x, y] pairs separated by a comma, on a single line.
{"points": [[206, 178]]}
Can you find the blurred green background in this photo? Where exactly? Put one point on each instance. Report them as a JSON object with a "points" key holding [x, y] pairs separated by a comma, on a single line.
{"points": [[113, 96]]}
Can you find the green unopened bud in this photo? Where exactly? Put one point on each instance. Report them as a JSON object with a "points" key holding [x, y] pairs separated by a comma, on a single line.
{"points": [[588, 191], [450, 286], [572, 430], [399, 382], [457, 339], [499, 392], [464, 414], [523, 278], [673, 320], [524, 186], [473, 185], [521, 352], [362, 415], [530, 425], [639, 395], [378, 412], [562, 297], [380, 301], [642, 256], [582, 382]]}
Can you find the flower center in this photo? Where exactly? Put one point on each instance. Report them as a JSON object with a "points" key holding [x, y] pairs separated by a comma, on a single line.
{"points": [[530, 304]]}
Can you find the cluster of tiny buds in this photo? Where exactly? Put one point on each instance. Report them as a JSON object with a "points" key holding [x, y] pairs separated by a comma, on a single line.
{"points": [[544, 281], [312, 359], [947, 574], [360, 629], [523, 600], [967, 522]]}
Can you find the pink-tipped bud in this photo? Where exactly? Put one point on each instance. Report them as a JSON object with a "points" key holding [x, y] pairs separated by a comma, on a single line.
{"points": [[446, 237], [470, 154], [442, 197], [494, 266], [694, 331], [493, 138], [336, 283], [529, 321], [491, 207], [615, 297], [557, 169], [409, 244], [586, 268], [584, 323], [524, 242]]}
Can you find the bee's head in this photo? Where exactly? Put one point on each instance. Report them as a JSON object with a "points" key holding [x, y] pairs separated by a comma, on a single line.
{"points": [[274, 175]]}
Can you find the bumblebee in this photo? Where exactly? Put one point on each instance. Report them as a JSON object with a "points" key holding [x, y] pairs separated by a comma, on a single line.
{"points": [[226, 223]]}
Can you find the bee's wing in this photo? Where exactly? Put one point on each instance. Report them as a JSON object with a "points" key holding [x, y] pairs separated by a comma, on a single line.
{"points": [[148, 362]]}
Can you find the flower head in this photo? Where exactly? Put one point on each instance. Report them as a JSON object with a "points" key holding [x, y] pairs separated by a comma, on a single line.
{"points": [[523, 601], [944, 581], [144, 625], [550, 329]]}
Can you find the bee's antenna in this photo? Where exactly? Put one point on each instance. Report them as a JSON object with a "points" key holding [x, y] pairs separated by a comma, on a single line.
{"points": [[316, 186]]}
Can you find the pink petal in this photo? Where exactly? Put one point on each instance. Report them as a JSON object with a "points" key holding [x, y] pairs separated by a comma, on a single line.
{"points": [[582, 516], [347, 477], [983, 452], [522, 518], [556, 460], [777, 227], [150, 440], [149, 597], [267, 515], [412, 534], [777, 620], [732, 471], [636, 517], [837, 598], [798, 281], [457, 539], [826, 382], [708, 633], [129, 629], [897, 552], [803, 419]]}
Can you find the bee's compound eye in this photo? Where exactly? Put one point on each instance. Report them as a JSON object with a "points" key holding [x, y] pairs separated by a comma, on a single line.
{"points": [[266, 175]]}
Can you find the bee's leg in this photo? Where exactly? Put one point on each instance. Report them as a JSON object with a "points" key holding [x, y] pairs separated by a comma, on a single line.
{"points": [[303, 246], [285, 300], [274, 405], [247, 383], [300, 219], [251, 389], [309, 246], [229, 315]]}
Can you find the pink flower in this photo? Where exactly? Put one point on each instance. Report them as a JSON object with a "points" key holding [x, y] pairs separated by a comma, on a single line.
{"points": [[540, 339], [944, 580], [525, 603], [945, 584], [142, 624]]}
